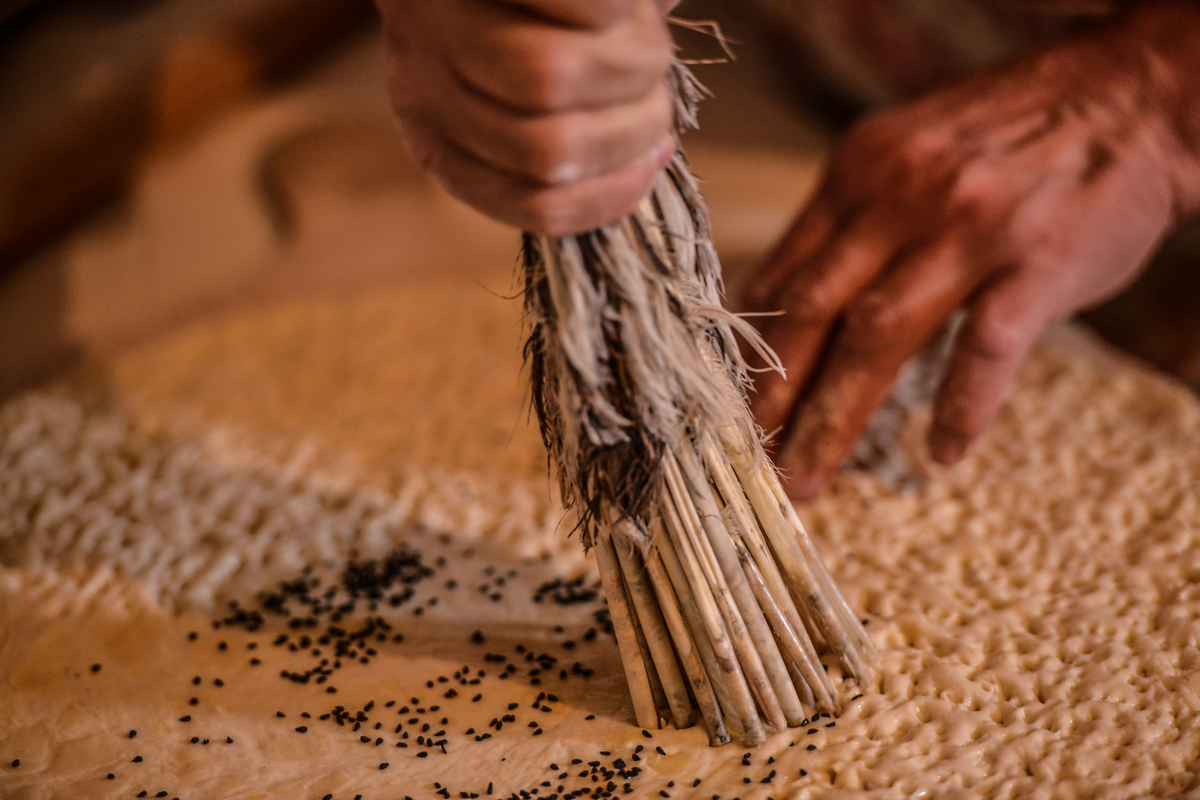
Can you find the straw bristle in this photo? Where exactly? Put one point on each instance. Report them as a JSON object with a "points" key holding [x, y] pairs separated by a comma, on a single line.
{"points": [[639, 386]]}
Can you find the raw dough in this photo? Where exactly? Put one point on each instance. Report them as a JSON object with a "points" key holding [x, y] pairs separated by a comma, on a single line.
{"points": [[1036, 606]]}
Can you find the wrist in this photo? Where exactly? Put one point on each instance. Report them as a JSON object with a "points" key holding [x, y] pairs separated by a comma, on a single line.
{"points": [[1159, 43]]}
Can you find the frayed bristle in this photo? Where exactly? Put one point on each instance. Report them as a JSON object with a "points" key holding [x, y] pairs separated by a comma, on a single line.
{"points": [[639, 386]]}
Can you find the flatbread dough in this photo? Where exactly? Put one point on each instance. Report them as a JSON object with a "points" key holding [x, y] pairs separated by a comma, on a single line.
{"points": [[1036, 606]]}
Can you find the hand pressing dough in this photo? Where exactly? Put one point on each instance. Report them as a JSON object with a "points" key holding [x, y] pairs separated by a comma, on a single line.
{"points": [[1036, 606]]}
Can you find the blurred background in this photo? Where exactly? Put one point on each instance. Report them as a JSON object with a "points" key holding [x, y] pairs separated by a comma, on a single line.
{"points": [[163, 160]]}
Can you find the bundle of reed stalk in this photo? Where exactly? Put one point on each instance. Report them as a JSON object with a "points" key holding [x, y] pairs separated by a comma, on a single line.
{"points": [[719, 600]]}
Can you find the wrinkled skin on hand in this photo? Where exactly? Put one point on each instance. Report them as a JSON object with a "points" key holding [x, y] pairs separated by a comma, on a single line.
{"points": [[551, 115], [1019, 196]]}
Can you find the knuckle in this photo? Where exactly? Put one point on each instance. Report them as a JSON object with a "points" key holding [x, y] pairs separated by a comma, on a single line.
{"points": [[543, 81], [549, 153], [874, 317], [994, 337], [974, 190], [807, 304]]}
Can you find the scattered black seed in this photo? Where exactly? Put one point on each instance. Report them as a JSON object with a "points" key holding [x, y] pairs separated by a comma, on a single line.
{"points": [[660, 751], [137, 759], [812, 747], [477, 698], [192, 636], [186, 718], [302, 729], [132, 734], [647, 734], [384, 765], [96, 668], [695, 783], [196, 681], [194, 701], [422, 754], [218, 682], [16, 762], [228, 740]]}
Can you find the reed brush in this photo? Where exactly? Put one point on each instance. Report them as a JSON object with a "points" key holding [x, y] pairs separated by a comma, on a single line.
{"points": [[720, 602]]}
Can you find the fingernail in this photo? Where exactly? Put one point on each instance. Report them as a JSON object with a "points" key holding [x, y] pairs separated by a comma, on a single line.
{"points": [[808, 486], [802, 483], [945, 447]]}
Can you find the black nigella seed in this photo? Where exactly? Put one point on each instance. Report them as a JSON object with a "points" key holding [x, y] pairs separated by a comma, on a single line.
{"points": [[194, 701], [137, 759], [195, 740], [280, 714], [590, 716], [186, 718], [196, 681], [327, 797], [803, 772], [16, 762], [96, 667], [384, 765], [489, 791], [695, 783], [192, 636], [161, 794], [660, 751], [477, 698], [302, 729], [228, 740], [111, 777], [477, 637], [218, 682], [132, 734], [812, 747], [647, 734], [422, 754], [222, 645]]}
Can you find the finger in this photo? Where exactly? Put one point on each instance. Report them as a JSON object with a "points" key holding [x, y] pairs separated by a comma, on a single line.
{"points": [[588, 14], [812, 300], [554, 148], [559, 210], [882, 328], [802, 241], [1000, 326], [536, 67]]}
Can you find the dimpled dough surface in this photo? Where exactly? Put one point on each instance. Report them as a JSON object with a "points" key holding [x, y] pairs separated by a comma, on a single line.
{"points": [[1036, 607]]}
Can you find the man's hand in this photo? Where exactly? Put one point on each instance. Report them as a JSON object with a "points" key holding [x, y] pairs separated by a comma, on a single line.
{"points": [[551, 115], [1019, 196]]}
